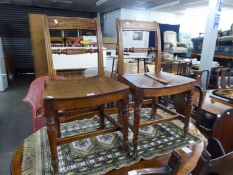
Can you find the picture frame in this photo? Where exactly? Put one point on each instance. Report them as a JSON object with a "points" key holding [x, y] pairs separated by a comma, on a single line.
{"points": [[137, 35]]}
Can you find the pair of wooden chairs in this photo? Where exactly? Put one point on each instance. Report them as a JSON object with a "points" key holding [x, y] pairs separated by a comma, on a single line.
{"points": [[217, 157], [94, 93]]}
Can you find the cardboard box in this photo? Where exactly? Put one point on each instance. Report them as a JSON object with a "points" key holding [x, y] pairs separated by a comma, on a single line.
{"points": [[131, 67]]}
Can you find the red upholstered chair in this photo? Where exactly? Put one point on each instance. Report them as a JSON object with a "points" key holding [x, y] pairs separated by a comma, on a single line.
{"points": [[35, 101]]}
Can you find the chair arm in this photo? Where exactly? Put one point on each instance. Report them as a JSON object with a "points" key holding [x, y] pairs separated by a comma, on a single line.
{"points": [[182, 45], [145, 171], [168, 44]]}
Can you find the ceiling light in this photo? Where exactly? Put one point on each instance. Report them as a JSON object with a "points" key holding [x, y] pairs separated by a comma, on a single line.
{"points": [[173, 3], [100, 2], [196, 2]]}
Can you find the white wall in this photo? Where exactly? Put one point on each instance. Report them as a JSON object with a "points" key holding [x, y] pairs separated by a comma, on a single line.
{"points": [[110, 23], [194, 21]]}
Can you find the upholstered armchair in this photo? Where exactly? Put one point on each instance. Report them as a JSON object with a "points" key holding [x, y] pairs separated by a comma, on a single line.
{"points": [[35, 101], [171, 45]]}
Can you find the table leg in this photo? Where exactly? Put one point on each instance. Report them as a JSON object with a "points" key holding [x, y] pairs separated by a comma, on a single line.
{"points": [[113, 62], [125, 121], [120, 111], [188, 111], [52, 134], [58, 125], [144, 61], [137, 65]]}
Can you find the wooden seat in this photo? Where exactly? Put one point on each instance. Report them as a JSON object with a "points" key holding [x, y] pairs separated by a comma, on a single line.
{"points": [[85, 95], [35, 101], [151, 85]]}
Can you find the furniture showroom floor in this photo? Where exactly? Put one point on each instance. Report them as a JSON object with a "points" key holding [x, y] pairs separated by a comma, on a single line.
{"points": [[15, 120]]}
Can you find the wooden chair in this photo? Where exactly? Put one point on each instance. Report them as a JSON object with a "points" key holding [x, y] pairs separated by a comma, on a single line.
{"points": [[151, 85], [167, 66], [184, 68], [222, 129], [35, 101], [85, 95], [198, 76], [213, 160], [224, 77], [180, 104]]}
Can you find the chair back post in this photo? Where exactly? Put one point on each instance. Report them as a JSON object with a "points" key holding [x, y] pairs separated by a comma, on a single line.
{"points": [[131, 25], [199, 75]]}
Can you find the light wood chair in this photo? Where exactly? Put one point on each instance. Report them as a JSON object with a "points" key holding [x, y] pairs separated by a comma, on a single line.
{"points": [[85, 95]]}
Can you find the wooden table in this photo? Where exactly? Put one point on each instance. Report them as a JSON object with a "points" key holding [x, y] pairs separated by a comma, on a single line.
{"points": [[213, 105], [138, 58], [76, 95], [188, 161], [156, 85]]}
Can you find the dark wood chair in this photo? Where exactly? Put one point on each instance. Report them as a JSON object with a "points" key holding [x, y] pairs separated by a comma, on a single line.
{"points": [[223, 129], [167, 66], [224, 77], [198, 77], [212, 161], [180, 104], [184, 68], [85, 95]]}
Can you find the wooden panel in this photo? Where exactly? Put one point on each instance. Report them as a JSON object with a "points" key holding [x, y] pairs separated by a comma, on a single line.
{"points": [[58, 22], [38, 44], [138, 25]]}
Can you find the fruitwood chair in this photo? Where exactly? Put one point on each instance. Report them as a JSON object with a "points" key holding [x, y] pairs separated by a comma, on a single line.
{"points": [[224, 77], [35, 101], [151, 85], [85, 95]]}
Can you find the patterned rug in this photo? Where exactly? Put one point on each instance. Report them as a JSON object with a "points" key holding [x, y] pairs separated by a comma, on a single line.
{"points": [[101, 154]]}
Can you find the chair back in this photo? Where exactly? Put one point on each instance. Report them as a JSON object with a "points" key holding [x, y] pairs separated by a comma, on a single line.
{"points": [[170, 37], [198, 76], [224, 75], [184, 68], [131, 25], [223, 129], [35, 101], [167, 66], [59, 23]]}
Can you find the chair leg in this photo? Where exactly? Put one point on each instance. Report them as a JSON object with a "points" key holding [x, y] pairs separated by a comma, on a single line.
{"points": [[137, 114], [155, 101], [125, 122], [102, 124], [120, 112]]}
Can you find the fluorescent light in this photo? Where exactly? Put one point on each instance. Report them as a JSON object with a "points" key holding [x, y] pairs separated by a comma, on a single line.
{"points": [[166, 5], [100, 2], [196, 2]]}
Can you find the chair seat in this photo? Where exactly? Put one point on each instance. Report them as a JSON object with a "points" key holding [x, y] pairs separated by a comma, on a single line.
{"points": [[83, 88]]}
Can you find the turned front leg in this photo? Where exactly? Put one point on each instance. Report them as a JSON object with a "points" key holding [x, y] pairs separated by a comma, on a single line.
{"points": [[52, 133], [125, 121], [188, 111]]}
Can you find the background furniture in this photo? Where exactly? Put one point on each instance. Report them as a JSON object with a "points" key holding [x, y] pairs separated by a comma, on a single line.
{"points": [[171, 44], [35, 101]]}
